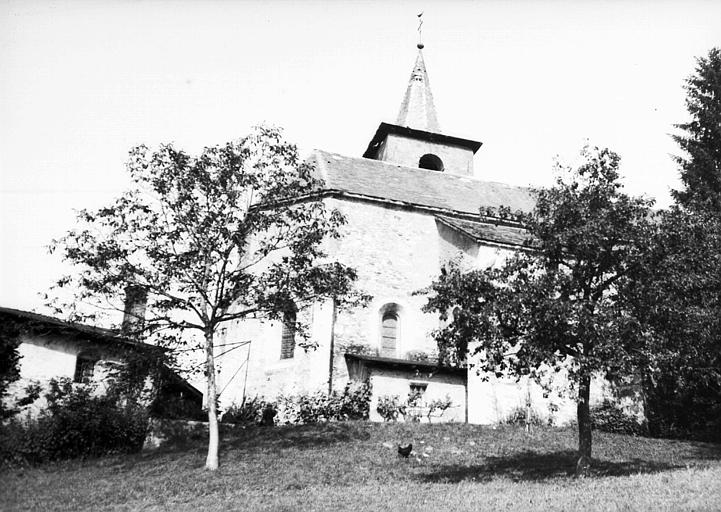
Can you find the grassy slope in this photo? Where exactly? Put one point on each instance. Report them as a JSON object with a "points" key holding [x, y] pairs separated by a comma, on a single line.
{"points": [[354, 466]]}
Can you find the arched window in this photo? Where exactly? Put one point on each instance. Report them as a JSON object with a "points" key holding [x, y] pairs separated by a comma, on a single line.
{"points": [[389, 334], [287, 337], [85, 367], [431, 162]]}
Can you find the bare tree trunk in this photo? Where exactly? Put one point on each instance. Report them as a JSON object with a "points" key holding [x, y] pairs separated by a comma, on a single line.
{"points": [[211, 462], [584, 426]]}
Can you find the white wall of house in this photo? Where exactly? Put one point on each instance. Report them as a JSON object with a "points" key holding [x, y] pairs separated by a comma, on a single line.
{"points": [[397, 383], [52, 356]]}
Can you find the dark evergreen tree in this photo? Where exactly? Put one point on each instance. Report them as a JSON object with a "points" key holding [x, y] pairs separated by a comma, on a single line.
{"points": [[701, 166]]}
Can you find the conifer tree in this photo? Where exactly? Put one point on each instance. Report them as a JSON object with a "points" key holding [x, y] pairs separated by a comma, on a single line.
{"points": [[701, 167]]}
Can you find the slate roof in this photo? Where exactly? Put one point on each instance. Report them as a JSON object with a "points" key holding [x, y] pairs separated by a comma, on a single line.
{"points": [[88, 331], [486, 231], [416, 187], [404, 364]]}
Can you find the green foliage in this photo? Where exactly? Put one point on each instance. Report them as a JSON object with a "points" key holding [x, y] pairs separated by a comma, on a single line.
{"points": [[558, 303], [609, 417], [249, 412], [232, 233], [350, 404], [172, 406], [390, 407], [678, 299], [9, 360], [413, 408], [210, 239], [522, 415], [76, 423], [701, 166], [32, 393], [438, 406], [559, 300], [677, 303]]}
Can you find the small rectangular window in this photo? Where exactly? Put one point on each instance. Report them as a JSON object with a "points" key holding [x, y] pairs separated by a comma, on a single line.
{"points": [[418, 389], [287, 337], [84, 369]]}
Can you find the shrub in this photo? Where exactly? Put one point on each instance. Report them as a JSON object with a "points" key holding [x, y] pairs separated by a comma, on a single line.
{"points": [[353, 403], [249, 412], [439, 404], [522, 415], [76, 423], [174, 407], [609, 417], [390, 407]]}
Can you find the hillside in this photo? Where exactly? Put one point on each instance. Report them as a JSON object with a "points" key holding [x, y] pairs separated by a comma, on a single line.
{"points": [[354, 466]]}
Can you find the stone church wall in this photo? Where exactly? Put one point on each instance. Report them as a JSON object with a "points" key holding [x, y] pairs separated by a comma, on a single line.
{"points": [[396, 252]]}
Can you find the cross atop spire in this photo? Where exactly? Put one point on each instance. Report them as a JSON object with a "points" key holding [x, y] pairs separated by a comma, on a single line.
{"points": [[417, 110]]}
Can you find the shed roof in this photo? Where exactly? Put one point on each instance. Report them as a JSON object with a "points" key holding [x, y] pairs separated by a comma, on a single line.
{"points": [[487, 231], [404, 364]]}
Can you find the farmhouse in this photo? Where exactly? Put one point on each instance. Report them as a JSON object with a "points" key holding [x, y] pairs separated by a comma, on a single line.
{"points": [[51, 348], [412, 204]]}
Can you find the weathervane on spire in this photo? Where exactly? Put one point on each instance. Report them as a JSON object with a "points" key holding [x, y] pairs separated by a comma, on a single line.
{"points": [[420, 32]]}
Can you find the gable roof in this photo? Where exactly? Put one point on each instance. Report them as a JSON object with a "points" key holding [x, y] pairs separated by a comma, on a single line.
{"points": [[362, 177], [97, 334], [62, 326]]}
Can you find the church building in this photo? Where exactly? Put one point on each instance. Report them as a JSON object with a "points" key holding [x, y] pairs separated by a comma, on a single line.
{"points": [[412, 203]]}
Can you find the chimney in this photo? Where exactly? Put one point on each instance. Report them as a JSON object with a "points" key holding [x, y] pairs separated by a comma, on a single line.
{"points": [[136, 298]]}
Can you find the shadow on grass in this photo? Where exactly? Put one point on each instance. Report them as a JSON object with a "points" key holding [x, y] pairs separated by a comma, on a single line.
{"points": [[532, 466]]}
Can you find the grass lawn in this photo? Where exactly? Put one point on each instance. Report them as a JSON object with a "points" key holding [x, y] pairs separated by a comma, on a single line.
{"points": [[354, 466]]}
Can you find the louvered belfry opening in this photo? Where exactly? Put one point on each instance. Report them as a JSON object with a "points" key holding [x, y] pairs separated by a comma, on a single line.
{"points": [[389, 334]]}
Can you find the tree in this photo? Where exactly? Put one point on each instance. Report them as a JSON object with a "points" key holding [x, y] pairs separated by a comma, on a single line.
{"points": [[10, 332], [677, 296], [677, 302], [232, 233], [555, 304], [701, 167]]}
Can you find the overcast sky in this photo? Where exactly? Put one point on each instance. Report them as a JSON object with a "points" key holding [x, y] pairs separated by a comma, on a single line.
{"points": [[83, 82]]}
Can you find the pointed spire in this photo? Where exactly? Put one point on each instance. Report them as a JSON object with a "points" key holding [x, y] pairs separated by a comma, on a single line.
{"points": [[417, 110]]}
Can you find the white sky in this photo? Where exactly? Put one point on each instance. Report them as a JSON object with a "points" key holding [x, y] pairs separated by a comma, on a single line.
{"points": [[82, 82]]}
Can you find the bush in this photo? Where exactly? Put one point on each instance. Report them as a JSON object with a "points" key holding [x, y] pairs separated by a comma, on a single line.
{"points": [[609, 417], [76, 423], [390, 407], [518, 416], [173, 407], [353, 403], [439, 404], [249, 412]]}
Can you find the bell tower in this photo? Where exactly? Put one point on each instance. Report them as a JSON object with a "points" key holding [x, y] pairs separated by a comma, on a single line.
{"points": [[416, 139]]}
